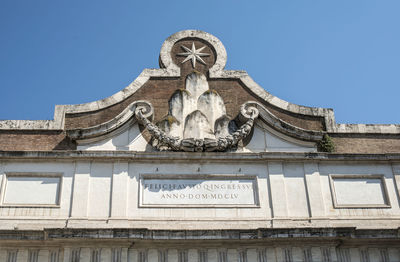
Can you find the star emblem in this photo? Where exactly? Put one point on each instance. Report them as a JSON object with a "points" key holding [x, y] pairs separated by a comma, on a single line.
{"points": [[193, 54]]}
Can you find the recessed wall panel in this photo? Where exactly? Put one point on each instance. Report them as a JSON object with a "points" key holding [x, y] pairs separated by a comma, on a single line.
{"points": [[31, 189], [359, 191]]}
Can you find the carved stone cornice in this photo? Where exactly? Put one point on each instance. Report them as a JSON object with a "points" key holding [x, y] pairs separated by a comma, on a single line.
{"points": [[284, 127], [299, 234], [216, 157], [115, 125]]}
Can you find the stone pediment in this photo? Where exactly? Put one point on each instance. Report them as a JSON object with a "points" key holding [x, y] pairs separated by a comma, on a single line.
{"points": [[191, 103], [201, 111]]}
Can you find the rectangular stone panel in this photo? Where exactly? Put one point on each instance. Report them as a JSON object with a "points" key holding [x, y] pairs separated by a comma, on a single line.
{"points": [[198, 191], [31, 189], [352, 191]]}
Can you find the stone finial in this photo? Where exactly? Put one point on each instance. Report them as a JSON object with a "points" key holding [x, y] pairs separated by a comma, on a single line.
{"points": [[208, 46]]}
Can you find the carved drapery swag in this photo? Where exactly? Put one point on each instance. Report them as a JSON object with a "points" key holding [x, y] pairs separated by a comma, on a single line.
{"points": [[198, 145], [197, 120]]}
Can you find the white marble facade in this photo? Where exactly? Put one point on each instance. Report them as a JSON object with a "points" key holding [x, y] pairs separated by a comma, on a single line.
{"points": [[291, 194]]}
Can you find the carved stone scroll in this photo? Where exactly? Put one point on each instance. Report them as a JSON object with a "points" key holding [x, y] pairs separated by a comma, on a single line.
{"points": [[247, 111]]}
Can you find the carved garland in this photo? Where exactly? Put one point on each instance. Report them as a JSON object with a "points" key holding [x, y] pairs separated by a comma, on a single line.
{"points": [[248, 111]]}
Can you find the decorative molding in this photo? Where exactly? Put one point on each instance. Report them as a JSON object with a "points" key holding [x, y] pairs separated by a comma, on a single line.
{"points": [[384, 192], [193, 54], [166, 59], [366, 129], [260, 234], [12, 255], [199, 157], [294, 140], [116, 124], [284, 127], [7, 175]]}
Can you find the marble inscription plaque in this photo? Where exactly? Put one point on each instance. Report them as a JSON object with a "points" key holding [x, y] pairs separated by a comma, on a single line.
{"points": [[197, 192]]}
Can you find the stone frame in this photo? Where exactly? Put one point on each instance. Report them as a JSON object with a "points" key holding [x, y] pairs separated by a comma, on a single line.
{"points": [[200, 177], [381, 177], [30, 174]]}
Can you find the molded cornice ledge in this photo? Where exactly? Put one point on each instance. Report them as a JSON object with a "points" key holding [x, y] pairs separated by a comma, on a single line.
{"points": [[170, 69], [116, 125], [270, 119], [347, 233], [193, 156]]}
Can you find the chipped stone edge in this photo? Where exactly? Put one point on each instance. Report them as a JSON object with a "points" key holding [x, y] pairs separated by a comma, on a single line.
{"points": [[169, 69]]}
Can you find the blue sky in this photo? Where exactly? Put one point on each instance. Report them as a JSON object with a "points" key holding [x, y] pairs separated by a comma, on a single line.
{"points": [[343, 55]]}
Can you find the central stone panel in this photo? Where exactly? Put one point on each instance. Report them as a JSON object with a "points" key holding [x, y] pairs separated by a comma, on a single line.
{"points": [[198, 191]]}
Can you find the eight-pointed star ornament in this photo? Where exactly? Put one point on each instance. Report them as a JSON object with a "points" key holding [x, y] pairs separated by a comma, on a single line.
{"points": [[193, 54]]}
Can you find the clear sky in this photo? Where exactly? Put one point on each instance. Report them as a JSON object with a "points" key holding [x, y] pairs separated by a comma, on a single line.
{"points": [[339, 54]]}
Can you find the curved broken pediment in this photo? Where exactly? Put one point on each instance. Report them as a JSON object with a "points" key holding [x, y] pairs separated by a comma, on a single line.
{"points": [[195, 134], [113, 127], [196, 108], [284, 127], [197, 117]]}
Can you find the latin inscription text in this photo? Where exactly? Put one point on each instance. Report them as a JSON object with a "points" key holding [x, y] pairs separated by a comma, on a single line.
{"points": [[198, 192]]}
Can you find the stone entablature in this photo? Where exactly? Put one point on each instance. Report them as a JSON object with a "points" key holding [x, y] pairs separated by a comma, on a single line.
{"points": [[131, 245], [105, 190], [297, 213]]}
